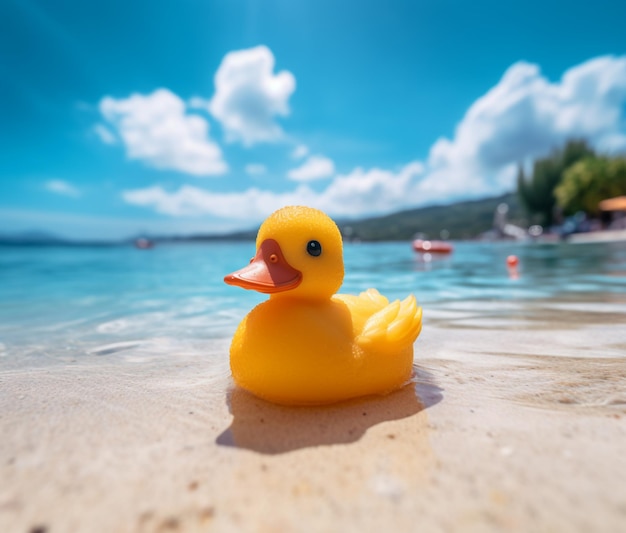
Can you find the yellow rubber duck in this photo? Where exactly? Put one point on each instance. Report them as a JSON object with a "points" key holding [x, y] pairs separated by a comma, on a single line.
{"points": [[307, 345]]}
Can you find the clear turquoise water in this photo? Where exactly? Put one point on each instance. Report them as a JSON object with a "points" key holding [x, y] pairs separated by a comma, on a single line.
{"points": [[71, 301]]}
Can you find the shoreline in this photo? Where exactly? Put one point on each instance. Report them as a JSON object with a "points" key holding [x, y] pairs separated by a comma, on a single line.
{"points": [[517, 429]]}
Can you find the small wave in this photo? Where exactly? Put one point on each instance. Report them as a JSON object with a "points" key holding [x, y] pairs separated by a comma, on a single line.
{"points": [[116, 347]]}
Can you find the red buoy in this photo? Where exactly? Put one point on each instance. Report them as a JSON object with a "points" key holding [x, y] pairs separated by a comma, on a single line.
{"points": [[512, 260], [432, 247]]}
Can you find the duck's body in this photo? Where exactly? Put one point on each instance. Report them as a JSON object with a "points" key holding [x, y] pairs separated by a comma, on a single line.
{"points": [[304, 352], [306, 345]]}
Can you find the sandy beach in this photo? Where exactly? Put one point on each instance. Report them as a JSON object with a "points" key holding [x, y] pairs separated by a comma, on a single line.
{"points": [[512, 426], [202, 196]]}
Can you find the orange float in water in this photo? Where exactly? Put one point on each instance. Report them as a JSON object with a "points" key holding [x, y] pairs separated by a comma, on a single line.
{"points": [[306, 344], [432, 247], [512, 260]]}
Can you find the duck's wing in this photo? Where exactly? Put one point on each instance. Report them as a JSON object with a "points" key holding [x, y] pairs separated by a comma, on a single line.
{"points": [[392, 325], [363, 306]]}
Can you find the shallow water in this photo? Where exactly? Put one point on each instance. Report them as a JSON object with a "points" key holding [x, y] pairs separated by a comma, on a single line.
{"points": [[69, 302]]}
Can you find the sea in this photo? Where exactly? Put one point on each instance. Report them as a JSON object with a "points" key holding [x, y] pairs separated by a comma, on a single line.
{"points": [[63, 303]]}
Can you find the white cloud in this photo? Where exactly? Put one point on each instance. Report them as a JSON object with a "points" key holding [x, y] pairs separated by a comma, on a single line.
{"points": [[197, 102], [524, 117], [156, 130], [193, 201], [62, 187], [300, 151], [249, 96], [105, 134], [373, 191], [255, 169], [314, 168]]}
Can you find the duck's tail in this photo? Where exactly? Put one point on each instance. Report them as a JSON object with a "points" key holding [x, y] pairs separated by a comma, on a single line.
{"points": [[394, 327]]}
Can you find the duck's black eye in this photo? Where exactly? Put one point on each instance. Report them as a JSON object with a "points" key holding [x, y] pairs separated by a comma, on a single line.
{"points": [[314, 248]]}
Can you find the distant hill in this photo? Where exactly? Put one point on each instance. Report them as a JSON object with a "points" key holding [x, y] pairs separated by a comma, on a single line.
{"points": [[245, 235], [30, 237], [462, 220]]}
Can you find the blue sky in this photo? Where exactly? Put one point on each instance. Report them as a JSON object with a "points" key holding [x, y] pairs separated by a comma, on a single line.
{"points": [[204, 116]]}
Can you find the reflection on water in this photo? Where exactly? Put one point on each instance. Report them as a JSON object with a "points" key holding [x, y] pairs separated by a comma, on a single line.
{"points": [[480, 271], [78, 299]]}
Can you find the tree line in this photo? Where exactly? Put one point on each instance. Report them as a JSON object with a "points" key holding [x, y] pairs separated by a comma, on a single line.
{"points": [[570, 180]]}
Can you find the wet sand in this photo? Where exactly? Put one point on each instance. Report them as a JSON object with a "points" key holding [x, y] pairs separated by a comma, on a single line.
{"points": [[516, 422]]}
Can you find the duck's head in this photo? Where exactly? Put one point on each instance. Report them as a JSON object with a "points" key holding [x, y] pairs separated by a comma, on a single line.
{"points": [[299, 253]]}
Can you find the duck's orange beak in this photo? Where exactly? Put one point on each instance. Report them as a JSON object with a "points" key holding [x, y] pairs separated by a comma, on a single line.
{"points": [[268, 272]]}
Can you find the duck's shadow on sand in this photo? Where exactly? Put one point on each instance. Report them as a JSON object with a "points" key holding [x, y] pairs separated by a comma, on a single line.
{"points": [[269, 428]]}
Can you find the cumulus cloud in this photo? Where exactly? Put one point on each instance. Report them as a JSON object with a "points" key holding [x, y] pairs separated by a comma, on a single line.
{"points": [[255, 169], [156, 129], [300, 151], [104, 134], [314, 168], [193, 201], [62, 187], [524, 117], [249, 96], [372, 191]]}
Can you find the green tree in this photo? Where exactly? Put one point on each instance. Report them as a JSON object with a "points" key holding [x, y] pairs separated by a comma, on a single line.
{"points": [[590, 181], [537, 192]]}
